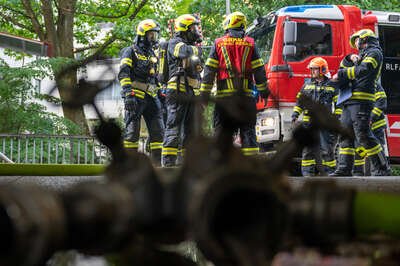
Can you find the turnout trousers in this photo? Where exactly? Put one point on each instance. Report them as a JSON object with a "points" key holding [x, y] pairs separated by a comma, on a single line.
{"points": [[325, 148], [148, 107], [247, 131], [177, 127], [356, 117]]}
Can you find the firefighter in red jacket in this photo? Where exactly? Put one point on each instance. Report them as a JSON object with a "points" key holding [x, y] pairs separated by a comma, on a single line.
{"points": [[235, 60]]}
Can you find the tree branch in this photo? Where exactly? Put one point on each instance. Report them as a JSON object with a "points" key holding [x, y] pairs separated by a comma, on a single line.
{"points": [[82, 49], [92, 57], [16, 23], [14, 11], [94, 14], [35, 23], [137, 9]]}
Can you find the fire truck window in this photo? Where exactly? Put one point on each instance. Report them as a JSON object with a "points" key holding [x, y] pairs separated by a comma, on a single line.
{"points": [[389, 38], [312, 40], [391, 45]]}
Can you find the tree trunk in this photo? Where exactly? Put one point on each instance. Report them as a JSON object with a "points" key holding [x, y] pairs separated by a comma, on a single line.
{"points": [[65, 48], [64, 85]]}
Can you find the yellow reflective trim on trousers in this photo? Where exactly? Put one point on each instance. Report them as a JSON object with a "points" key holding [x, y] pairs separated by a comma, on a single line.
{"points": [[227, 61], [329, 163], [126, 61], [169, 151], [306, 118], [297, 109], [370, 60], [308, 162], [338, 111], [347, 151], [129, 144], [361, 151], [375, 150], [380, 94], [155, 145], [244, 59], [177, 48], [206, 87], [257, 63], [212, 62], [359, 95], [377, 111], [250, 151], [298, 95], [335, 98], [359, 162], [378, 124]]}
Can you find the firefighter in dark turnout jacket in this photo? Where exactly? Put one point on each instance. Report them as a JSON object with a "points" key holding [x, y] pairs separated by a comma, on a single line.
{"points": [[321, 90], [358, 107], [137, 76], [184, 67], [235, 60]]}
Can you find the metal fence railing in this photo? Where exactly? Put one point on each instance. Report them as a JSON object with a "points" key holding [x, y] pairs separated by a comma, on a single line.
{"points": [[53, 149]]}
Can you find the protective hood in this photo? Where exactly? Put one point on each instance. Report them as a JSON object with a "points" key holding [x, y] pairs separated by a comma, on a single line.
{"points": [[236, 33], [371, 43]]}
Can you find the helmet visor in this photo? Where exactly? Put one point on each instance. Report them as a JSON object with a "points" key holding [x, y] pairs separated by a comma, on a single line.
{"points": [[152, 36]]}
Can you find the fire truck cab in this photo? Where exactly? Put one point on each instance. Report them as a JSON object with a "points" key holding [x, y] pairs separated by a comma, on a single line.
{"points": [[292, 36]]}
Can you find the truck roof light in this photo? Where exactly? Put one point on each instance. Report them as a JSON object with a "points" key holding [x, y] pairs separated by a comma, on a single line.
{"points": [[303, 8]]}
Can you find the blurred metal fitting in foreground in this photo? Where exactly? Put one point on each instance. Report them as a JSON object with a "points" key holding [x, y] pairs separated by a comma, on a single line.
{"points": [[32, 225]]}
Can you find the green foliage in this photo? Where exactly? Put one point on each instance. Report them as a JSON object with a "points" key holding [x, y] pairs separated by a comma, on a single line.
{"points": [[213, 11], [20, 110]]}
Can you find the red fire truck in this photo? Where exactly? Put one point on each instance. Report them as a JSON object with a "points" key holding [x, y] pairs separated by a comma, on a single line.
{"points": [[290, 37]]}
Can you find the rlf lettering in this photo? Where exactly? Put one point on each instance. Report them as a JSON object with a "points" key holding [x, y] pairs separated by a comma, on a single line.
{"points": [[392, 67]]}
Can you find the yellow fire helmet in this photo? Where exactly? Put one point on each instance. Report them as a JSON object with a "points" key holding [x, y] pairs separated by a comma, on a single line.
{"points": [[364, 33], [234, 20], [147, 25], [183, 22]]}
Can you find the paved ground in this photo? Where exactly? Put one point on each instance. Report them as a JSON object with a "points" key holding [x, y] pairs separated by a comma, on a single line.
{"points": [[51, 182], [381, 183]]}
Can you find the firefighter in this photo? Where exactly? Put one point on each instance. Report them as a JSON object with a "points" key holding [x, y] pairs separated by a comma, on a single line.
{"points": [[321, 90], [235, 60], [184, 67], [137, 76], [358, 107]]}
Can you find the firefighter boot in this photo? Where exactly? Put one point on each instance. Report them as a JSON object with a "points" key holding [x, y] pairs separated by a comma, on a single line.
{"points": [[345, 165], [359, 165], [379, 165]]}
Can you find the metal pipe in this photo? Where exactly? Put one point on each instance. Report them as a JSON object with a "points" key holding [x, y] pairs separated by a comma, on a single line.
{"points": [[5, 158]]}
